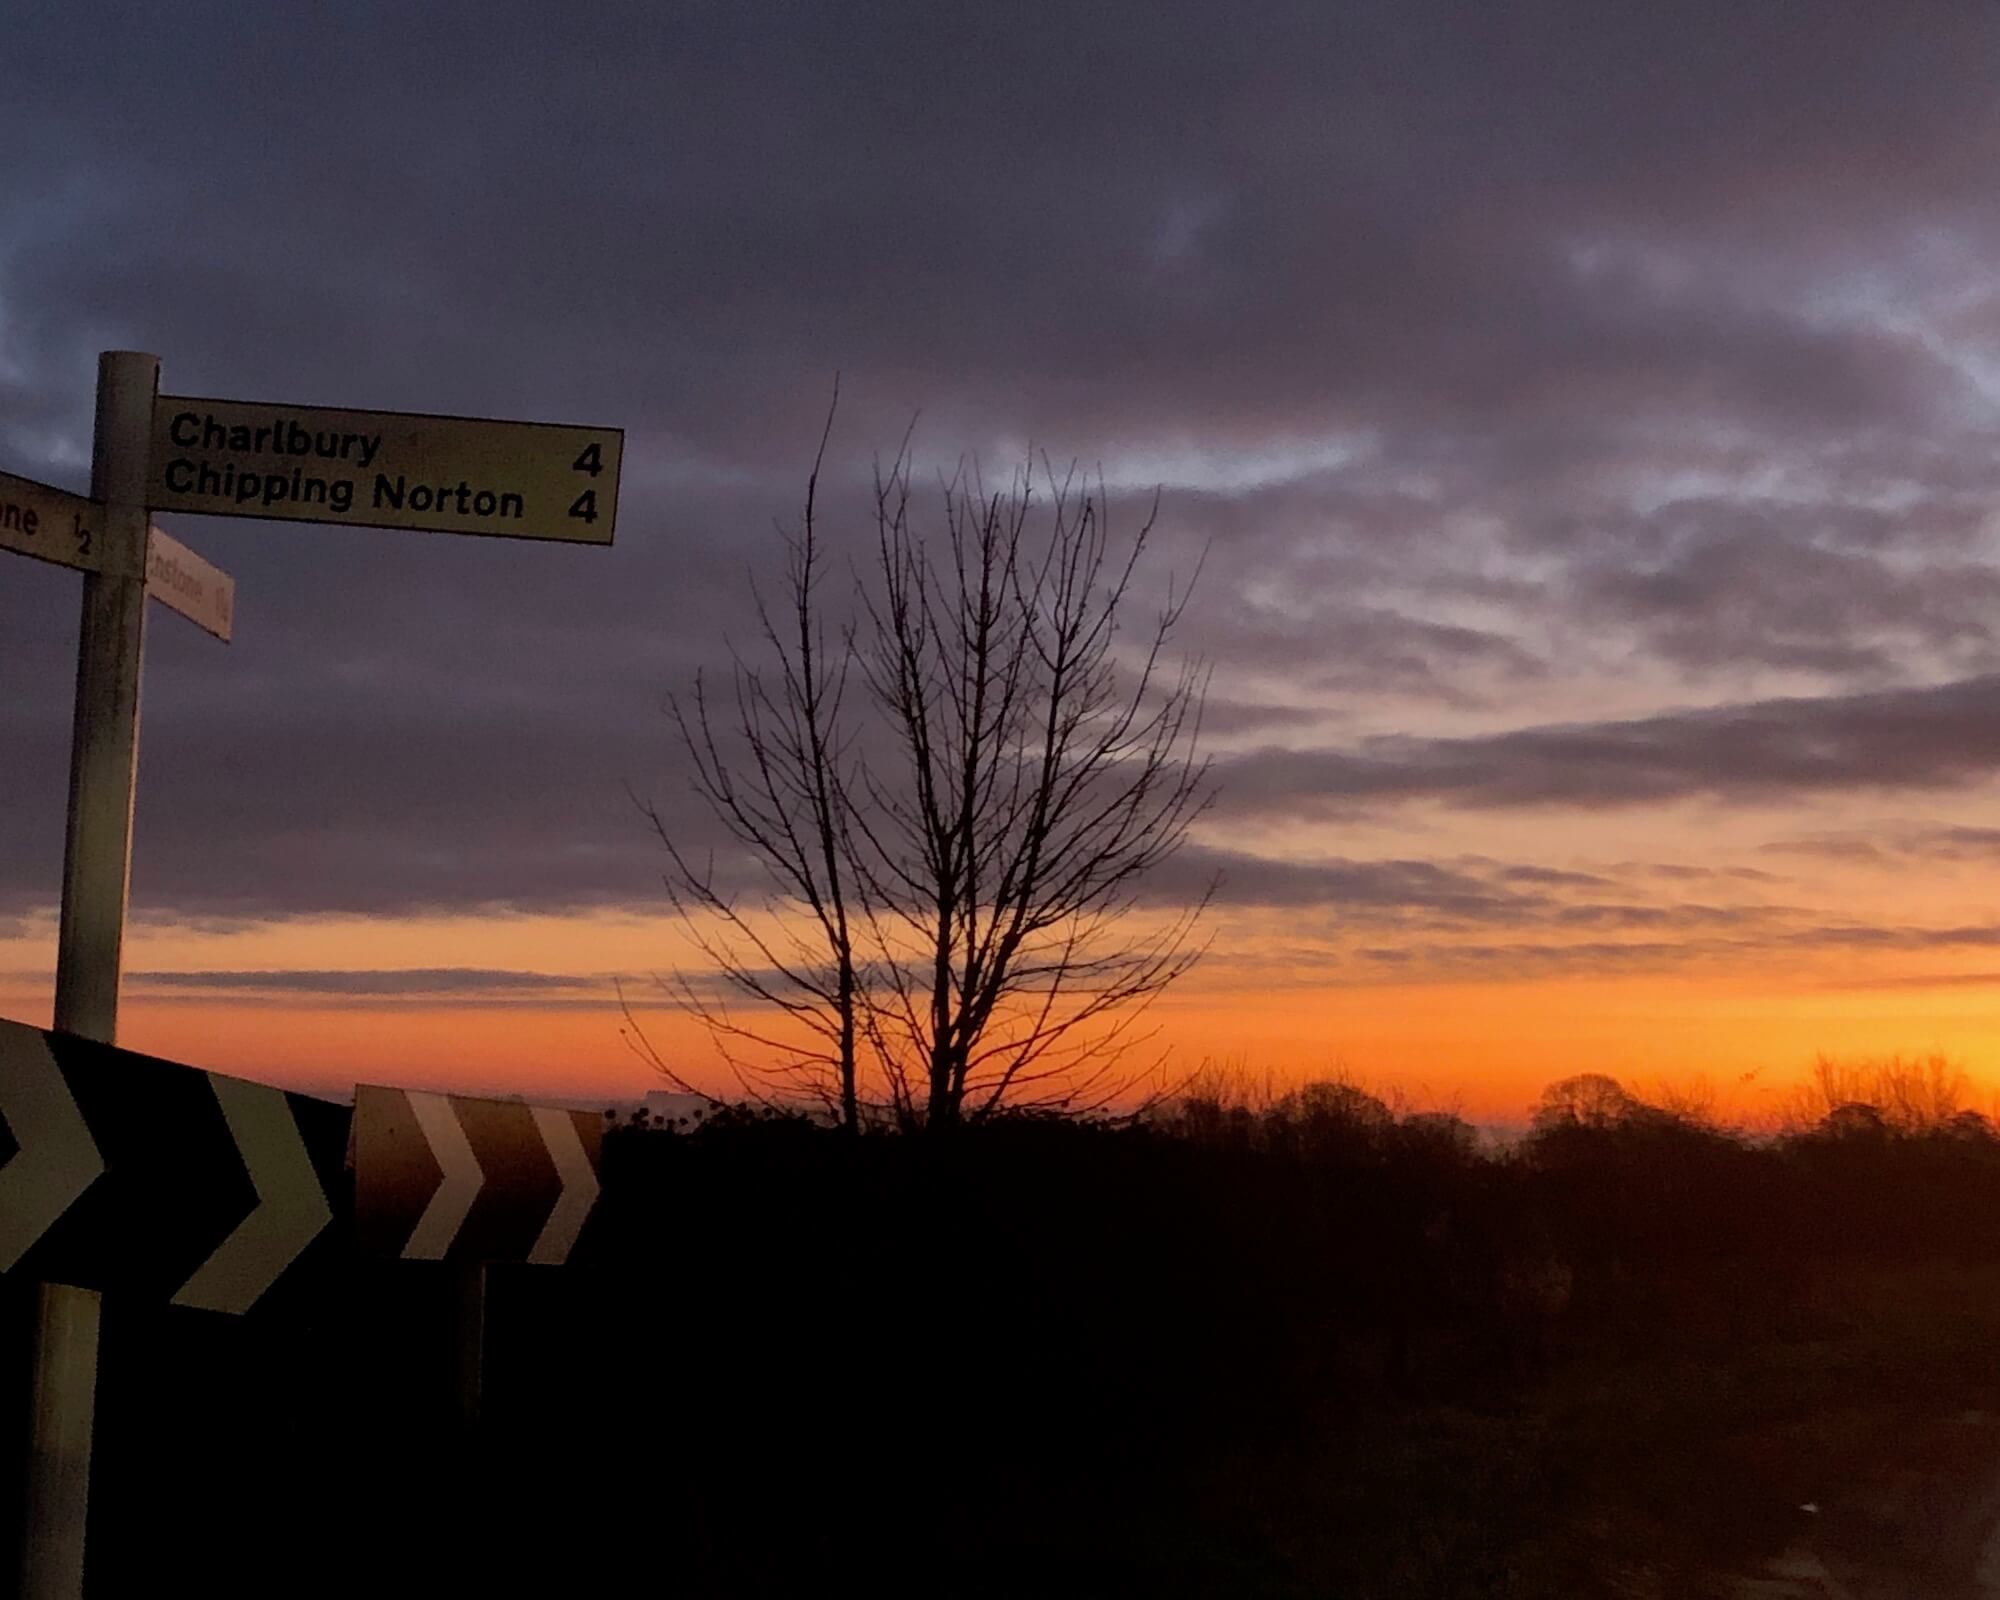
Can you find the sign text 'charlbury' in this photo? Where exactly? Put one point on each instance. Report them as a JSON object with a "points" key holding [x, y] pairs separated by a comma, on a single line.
{"points": [[385, 469]]}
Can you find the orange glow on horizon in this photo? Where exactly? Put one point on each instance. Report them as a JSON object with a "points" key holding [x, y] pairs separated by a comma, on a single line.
{"points": [[1485, 1050], [528, 1004]]}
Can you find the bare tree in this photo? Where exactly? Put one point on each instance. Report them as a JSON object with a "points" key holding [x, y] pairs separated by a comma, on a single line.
{"points": [[1040, 764], [956, 856], [1587, 1100], [1909, 1096], [770, 775]]}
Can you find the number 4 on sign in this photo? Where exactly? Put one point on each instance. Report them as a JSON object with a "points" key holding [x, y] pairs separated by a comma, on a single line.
{"points": [[584, 507]]}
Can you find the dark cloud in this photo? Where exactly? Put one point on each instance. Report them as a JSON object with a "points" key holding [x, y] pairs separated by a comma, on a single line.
{"points": [[480, 981], [1922, 980], [1226, 718], [1496, 355], [1350, 887], [1553, 877], [1617, 915], [1896, 845], [1680, 872], [1832, 848], [1957, 844], [1329, 899], [1771, 751], [1976, 935], [1720, 585], [1584, 955], [405, 804], [1167, 218], [1431, 960], [320, 807]]}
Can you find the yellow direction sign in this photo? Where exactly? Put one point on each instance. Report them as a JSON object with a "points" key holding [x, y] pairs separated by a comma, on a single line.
{"points": [[384, 469], [50, 523]]}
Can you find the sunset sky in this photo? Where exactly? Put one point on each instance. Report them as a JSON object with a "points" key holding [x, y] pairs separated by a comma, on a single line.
{"points": [[1592, 415]]}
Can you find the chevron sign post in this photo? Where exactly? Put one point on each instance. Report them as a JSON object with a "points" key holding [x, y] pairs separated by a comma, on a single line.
{"points": [[140, 1176], [447, 1178]]}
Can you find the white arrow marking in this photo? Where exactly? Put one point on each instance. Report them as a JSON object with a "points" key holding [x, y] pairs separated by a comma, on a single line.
{"points": [[461, 1183], [579, 1192], [291, 1206], [57, 1159]]}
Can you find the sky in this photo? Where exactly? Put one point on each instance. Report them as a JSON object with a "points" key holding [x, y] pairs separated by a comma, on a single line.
{"points": [[1589, 415]]}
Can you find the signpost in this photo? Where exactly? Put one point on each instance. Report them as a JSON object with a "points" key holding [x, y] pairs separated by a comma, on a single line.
{"points": [[385, 469], [97, 854], [155, 452], [446, 1178]]}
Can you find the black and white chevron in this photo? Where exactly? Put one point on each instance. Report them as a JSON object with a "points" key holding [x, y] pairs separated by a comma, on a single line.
{"points": [[129, 1174], [448, 1178]]}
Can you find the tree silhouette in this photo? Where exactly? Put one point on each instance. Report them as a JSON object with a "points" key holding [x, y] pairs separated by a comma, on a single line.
{"points": [[957, 854], [1587, 1100], [1034, 782], [766, 761]]}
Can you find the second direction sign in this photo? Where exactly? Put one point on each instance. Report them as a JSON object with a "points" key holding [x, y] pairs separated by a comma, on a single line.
{"points": [[384, 469], [181, 580], [50, 523]]}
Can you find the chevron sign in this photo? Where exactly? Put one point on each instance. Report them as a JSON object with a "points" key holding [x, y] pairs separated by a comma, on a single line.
{"points": [[442, 1177], [122, 1172]]}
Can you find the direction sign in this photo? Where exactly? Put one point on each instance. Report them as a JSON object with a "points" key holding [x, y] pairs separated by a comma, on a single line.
{"points": [[137, 1174], [50, 523], [442, 1177], [175, 575], [384, 469]]}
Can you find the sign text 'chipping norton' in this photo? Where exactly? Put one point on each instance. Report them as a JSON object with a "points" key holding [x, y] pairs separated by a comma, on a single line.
{"points": [[385, 469]]}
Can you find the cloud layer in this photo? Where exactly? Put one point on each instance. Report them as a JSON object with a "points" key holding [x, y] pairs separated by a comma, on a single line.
{"points": [[1583, 408]]}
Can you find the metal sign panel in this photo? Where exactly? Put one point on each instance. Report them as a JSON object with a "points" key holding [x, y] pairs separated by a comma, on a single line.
{"points": [[148, 1177], [180, 579], [384, 469], [442, 1177], [52, 524]]}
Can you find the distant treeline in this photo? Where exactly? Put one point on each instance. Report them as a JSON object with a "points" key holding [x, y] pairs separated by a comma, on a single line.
{"points": [[1133, 1318], [1371, 1200]]}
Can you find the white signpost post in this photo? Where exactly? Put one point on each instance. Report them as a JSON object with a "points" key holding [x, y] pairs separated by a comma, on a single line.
{"points": [[155, 452], [97, 853], [451, 1178]]}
